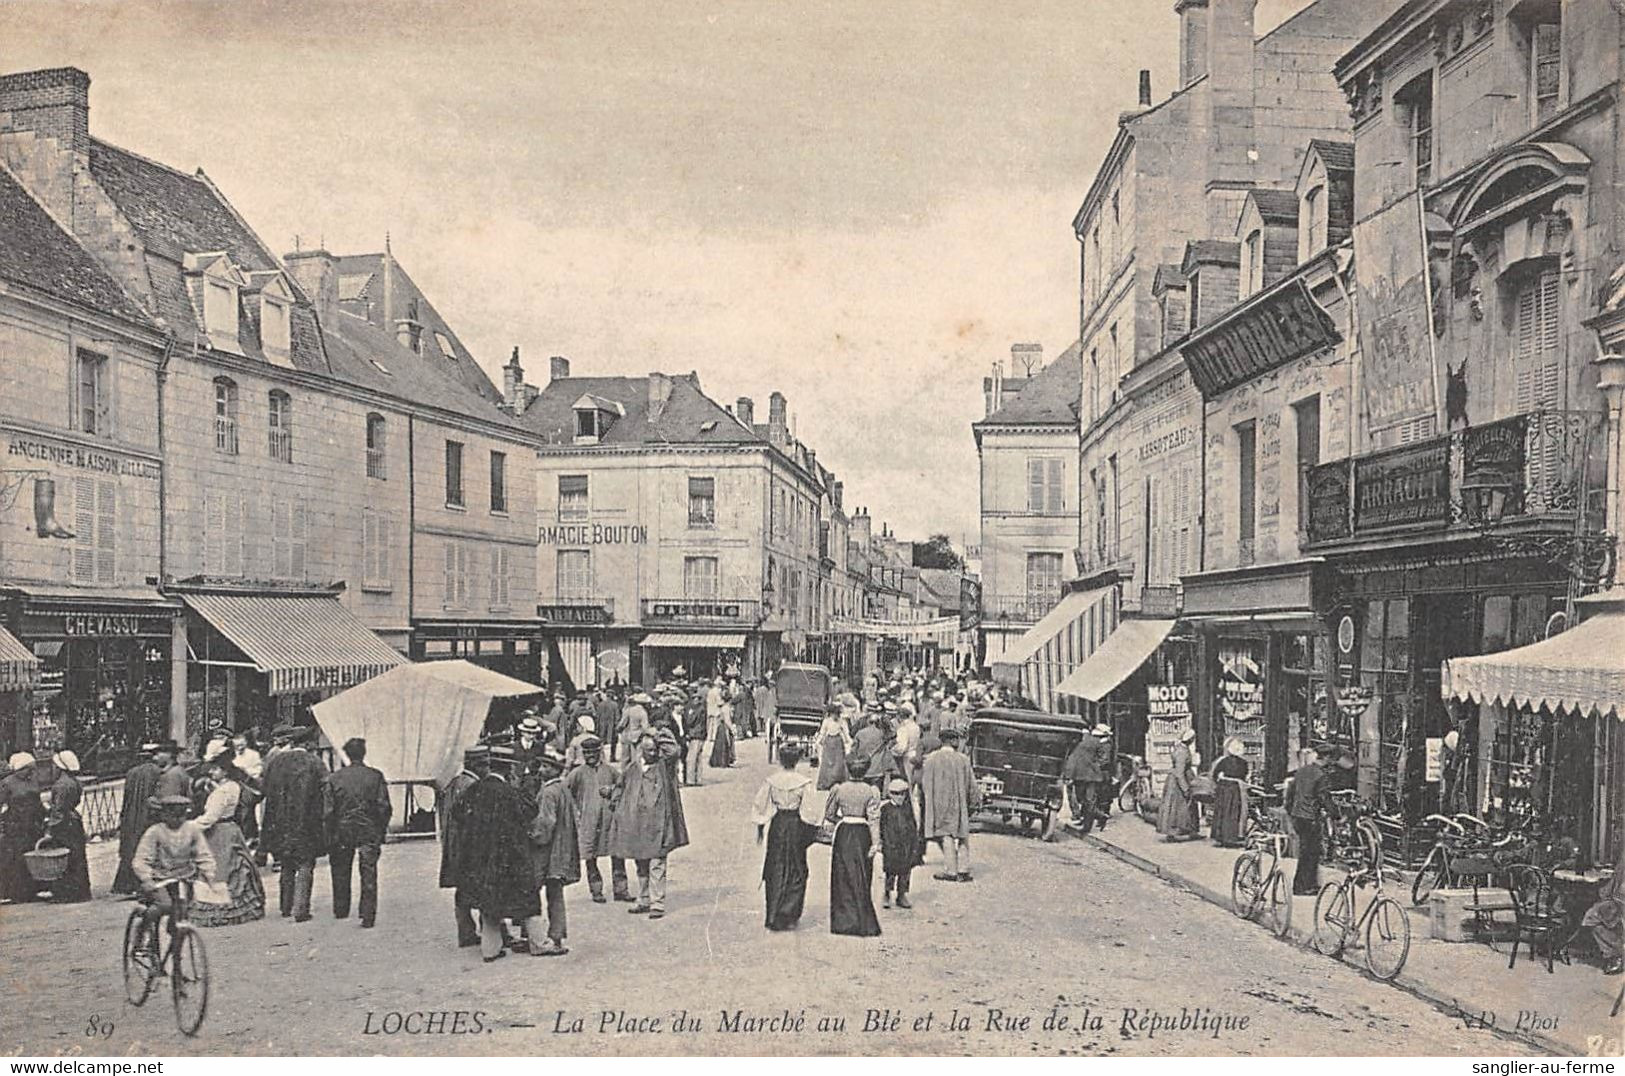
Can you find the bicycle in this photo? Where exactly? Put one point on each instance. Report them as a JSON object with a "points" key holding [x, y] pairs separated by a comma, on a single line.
{"points": [[148, 958], [1385, 925], [1253, 888], [1458, 854], [1134, 784], [1350, 835]]}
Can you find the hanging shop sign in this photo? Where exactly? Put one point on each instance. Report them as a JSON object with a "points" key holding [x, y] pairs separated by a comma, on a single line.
{"points": [[594, 534], [1327, 487], [1403, 487], [1271, 331], [970, 603], [1492, 456]]}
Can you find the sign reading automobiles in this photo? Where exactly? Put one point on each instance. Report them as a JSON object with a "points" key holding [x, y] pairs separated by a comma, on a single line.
{"points": [[1278, 327]]}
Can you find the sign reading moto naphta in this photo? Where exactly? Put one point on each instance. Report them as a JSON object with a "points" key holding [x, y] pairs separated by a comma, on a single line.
{"points": [[1272, 330]]}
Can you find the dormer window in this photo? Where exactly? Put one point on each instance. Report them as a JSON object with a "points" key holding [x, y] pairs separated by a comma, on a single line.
{"points": [[217, 287], [1252, 262], [274, 300], [1314, 222], [275, 334], [594, 416]]}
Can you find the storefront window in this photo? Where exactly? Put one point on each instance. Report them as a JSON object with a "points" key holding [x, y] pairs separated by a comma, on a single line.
{"points": [[1303, 684], [101, 698], [1385, 673]]}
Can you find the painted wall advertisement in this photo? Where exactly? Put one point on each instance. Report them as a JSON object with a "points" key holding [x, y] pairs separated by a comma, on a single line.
{"points": [[1169, 708], [1241, 697], [1395, 316]]}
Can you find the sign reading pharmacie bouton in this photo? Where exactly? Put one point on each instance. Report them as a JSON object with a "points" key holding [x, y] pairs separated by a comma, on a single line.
{"points": [[80, 457], [594, 534]]}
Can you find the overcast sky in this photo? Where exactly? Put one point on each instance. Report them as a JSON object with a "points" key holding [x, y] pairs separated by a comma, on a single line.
{"points": [[861, 204]]}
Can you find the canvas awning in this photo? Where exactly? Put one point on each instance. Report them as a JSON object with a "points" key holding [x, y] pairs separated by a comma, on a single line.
{"points": [[1116, 660], [19, 668], [1056, 645], [300, 643], [1581, 671], [418, 719], [676, 640]]}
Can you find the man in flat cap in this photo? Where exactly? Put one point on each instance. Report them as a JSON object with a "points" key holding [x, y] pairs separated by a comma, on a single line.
{"points": [[294, 828], [585, 783], [357, 810], [476, 764], [648, 823], [555, 851]]}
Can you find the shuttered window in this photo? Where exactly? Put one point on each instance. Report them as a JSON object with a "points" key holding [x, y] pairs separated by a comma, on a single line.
{"points": [[572, 497], [574, 578], [1535, 345], [457, 586], [95, 518], [226, 525], [289, 536], [377, 540], [498, 592]]}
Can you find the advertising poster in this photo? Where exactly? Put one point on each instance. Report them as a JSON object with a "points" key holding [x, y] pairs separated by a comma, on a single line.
{"points": [[1395, 316], [1241, 697], [1169, 708]]}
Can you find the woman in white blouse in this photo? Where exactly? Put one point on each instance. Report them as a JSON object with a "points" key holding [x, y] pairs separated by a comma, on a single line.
{"points": [[238, 896], [833, 741], [780, 805]]}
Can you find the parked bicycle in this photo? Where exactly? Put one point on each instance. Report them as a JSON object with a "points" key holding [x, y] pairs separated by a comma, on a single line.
{"points": [[1257, 885], [1134, 795], [1262, 805], [1465, 849], [171, 946], [1351, 836], [1384, 925]]}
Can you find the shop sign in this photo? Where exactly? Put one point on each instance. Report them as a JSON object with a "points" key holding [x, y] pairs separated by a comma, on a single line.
{"points": [[696, 610], [594, 534], [80, 625], [1492, 456], [1160, 738], [82, 458], [1405, 486], [1168, 702], [1241, 698], [1327, 487], [970, 603], [1435, 759], [573, 614], [1280, 327], [1354, 699]]}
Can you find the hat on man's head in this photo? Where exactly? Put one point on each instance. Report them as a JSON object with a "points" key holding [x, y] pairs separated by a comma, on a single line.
{"points": [[586, 724], [591, 742], [530, 725], [897, 784], [1187, 736], [1101, 729], [949, 735], [679, 671], [478, 753], [20, 760], [640, 697], [550, 758], [151, 747], [501, 753], [288, 733]]}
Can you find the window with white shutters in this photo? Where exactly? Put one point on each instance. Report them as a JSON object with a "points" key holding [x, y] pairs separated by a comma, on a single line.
{"points": [[499, 578], [457, 585], [288, 539], [701, 577], [95, 518], [298, 539], [574, 574], [1535, 345], [376, 540]]}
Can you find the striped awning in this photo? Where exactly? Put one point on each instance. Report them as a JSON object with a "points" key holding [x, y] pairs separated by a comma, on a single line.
{"points": [[677, 640], [19, 668], [1117, 659], [1056, 645], [300, 643], [1580, 671]]}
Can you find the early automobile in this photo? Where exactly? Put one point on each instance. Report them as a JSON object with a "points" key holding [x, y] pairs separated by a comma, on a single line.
{"points": [[801, 695], [1017, 756]]}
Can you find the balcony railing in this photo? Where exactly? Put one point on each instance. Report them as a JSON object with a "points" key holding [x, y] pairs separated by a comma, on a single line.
{"points": [[998, 609], [1528, 468], [576, 609], [280, 445], [375, 463], [719, 612], [225, 436]]}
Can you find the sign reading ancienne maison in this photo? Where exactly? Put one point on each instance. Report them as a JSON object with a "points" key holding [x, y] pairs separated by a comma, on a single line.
{"points": [[1275, 328], [38, 450]]}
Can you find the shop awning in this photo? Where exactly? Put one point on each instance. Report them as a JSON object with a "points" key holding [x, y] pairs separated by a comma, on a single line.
{"points": [[1581, 671], [19, 668], [1116, 660], [300, 643], [1056, 645], [676, 640]]}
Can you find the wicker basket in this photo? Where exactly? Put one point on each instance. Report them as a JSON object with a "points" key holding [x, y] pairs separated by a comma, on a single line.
{"points": [[46, 864]]}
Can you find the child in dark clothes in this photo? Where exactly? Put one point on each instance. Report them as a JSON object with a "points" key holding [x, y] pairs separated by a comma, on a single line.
{"points": [[899, 842]]}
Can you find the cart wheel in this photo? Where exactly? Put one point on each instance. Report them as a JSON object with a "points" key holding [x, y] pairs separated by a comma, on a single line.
{"points": [[1046, 828]]}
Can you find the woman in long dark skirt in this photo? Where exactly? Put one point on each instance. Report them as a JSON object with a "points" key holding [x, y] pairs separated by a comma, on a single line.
{"points": [[1230, 795], [779, 804], [67, 830], [854, 808], [22, 824], [722, 746]]}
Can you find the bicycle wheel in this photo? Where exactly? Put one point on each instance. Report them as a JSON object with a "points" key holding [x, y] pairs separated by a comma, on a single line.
{"points": [[1278, 904], [1387, 938], [1333, 919], [1369, 838], [190, 981], [1244, 879], [138, 970], [1127, 797], [1429, 877]]}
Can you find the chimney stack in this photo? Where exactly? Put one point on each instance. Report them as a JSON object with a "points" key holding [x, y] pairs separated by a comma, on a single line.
{"points": [[778, 417], [558, 368], [317, 273], [659, 393], [513, 384], [54, 106], [745, 408], [1026, 359], [835, 493], [1145, 87], [409, 330]]}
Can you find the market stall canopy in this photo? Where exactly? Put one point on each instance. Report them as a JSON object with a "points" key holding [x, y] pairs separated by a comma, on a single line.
{"points": [[1581, 671], [676, 640], [418, 719], [1116, 660], [1058, 644], [19, 668], [299, 642]]}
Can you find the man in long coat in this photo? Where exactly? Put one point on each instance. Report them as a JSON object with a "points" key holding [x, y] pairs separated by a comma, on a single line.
{"points": [[1083, 771], [595, 816], [648, 821], [476, 764], [294, 829], [493, 866], [606, 717], [555, 852], [951, 794], [135, 815]]}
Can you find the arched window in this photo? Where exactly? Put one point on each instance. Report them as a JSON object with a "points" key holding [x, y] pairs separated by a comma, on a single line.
{"points": [[375, 446], [225, 415], [280, 418]]}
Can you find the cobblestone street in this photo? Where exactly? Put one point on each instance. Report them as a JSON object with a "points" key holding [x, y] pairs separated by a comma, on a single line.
{"points": [[1060, 928]]}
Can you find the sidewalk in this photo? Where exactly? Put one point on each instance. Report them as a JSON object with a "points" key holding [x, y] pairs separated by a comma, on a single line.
{"points": [[1558, 1011]]}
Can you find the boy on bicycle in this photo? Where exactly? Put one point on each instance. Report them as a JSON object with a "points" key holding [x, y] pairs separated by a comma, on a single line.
{"points": [[174, 848]]}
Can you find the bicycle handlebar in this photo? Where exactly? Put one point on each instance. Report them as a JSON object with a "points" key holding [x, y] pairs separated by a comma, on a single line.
{"points": [[1443, 820], [1474, 819]]}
